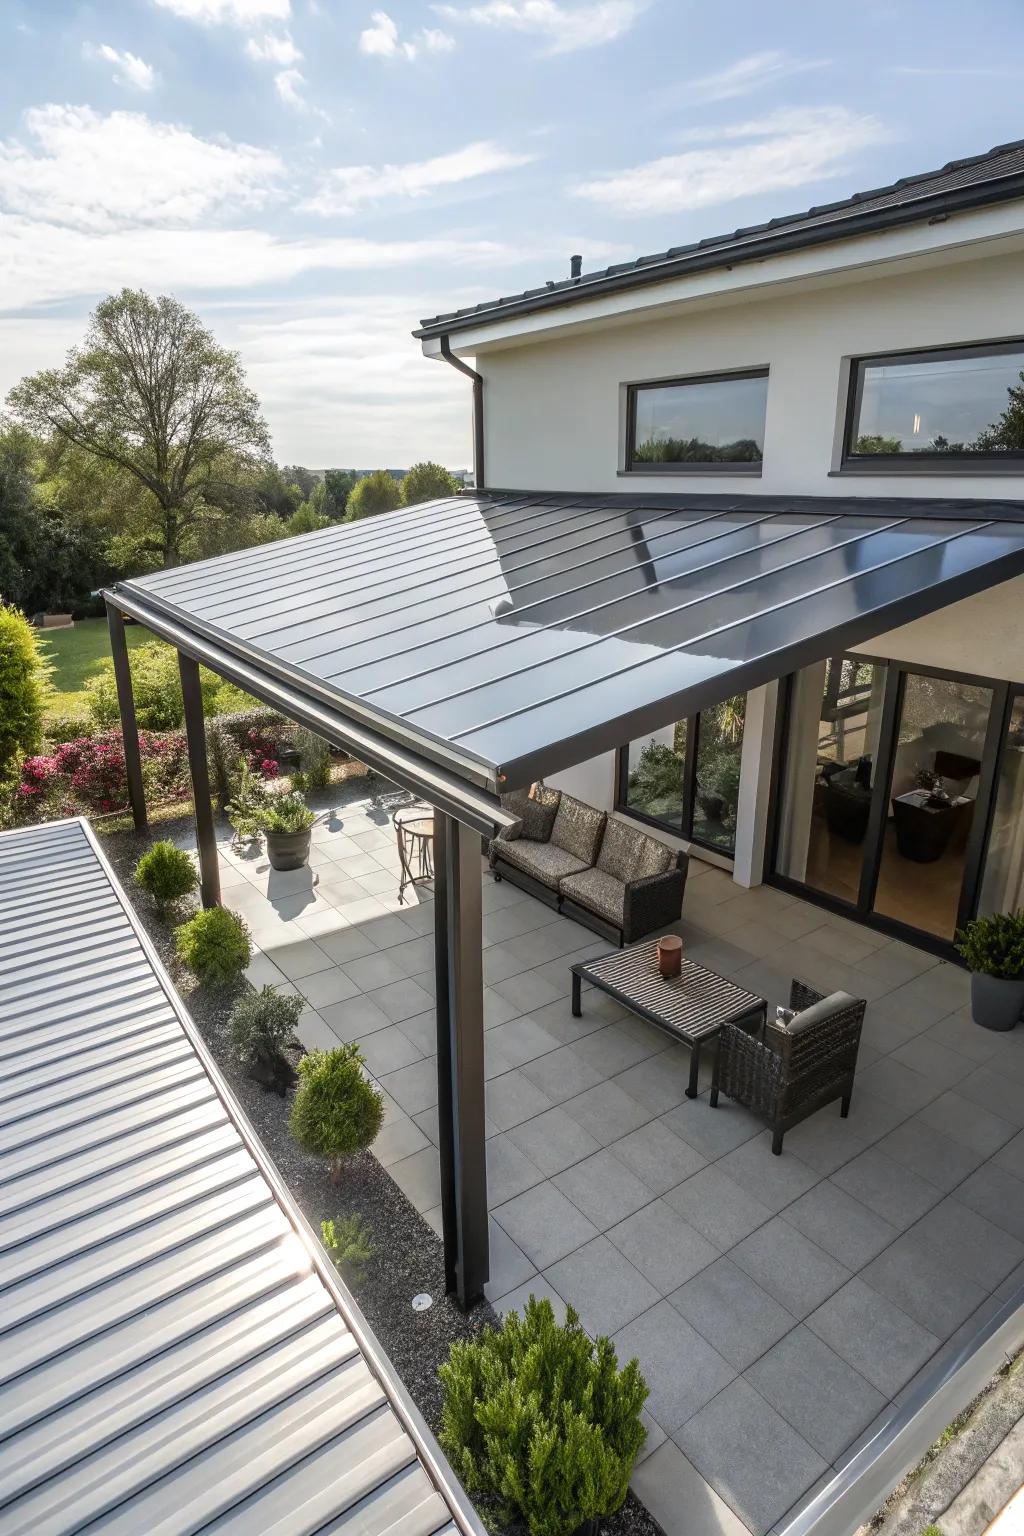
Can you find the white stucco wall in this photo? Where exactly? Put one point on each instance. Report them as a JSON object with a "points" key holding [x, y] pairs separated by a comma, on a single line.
{"points": [[553, 407], [983, 635]]}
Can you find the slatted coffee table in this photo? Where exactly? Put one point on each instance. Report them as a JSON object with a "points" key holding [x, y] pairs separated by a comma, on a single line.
{"points": [[691, 1007]]}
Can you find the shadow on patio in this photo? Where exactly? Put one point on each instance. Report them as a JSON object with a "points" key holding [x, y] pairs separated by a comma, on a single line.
{"points": [[778, 1306]]}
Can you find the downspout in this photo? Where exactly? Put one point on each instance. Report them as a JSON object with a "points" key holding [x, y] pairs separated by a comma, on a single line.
{"points": [[478, 409]]}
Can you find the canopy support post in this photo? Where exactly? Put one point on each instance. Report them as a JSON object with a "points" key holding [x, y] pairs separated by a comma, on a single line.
{"points": [[460, 1057], [195, 735], [129, 724]]}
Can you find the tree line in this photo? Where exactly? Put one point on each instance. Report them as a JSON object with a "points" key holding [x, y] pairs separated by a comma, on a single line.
{"points": [[147, 449]]}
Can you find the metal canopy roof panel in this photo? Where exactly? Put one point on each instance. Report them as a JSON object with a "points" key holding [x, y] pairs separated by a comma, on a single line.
{"points": [[511, 635], [170, 1358]]}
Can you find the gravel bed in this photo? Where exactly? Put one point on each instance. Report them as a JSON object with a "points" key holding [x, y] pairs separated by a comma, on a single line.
{"points": [[408, 1256]]}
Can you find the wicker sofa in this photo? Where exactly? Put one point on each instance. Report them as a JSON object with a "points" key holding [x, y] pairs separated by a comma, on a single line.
{"points": [[600, 871]]}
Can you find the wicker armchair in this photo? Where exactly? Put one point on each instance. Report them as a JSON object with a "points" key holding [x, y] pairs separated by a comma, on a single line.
{"points": [[787, 1071]]}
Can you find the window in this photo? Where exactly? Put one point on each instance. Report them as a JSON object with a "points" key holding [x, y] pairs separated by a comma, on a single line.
{"points": [[716, 422], [961, 405], [686, 777]]}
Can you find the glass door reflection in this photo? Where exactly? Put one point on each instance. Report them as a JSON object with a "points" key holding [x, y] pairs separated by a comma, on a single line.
{"points": [[932, 798]]}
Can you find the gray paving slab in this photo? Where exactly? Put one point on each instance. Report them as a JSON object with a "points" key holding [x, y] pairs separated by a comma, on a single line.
{"points": [[729, 1309], [603, 1188], [918, 1277], [887, 1188], [680, 1499], [839, 1224], [774, 1181], [816, 1391], [682, 1370], [750, 1455], [607, 1112], [545, 1224], [882, 1342], [929, 1153], [603, 1286], [658, 1156], [663, 1246], [789, 1266], [553, 1141], [997, 1195], [718, 1207]]}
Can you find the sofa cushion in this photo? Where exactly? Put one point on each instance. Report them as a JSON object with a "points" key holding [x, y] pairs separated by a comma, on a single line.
{"points": [[536, 816], [620, 848], [543, 861], [598, 891], [578, 828], [653, 858]]}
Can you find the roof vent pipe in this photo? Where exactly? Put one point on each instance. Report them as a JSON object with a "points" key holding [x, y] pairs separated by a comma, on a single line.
{"points": [[575, 268]]}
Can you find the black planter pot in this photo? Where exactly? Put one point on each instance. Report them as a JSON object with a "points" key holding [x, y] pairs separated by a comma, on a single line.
{"points": [[996, 1003], [713, 807], [288, 850]]}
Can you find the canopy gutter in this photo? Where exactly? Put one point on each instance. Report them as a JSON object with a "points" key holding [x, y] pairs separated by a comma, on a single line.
{"points": [[473, 807]]}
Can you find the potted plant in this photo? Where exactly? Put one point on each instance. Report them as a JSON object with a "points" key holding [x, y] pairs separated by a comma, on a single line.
{"points": [[286, 820], [993, 948], [247, 804], [935, 786]]}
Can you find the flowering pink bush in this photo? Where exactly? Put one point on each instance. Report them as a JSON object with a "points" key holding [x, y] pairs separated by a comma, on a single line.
{"points": [[88, 774], [263, 749], [270, 768]]}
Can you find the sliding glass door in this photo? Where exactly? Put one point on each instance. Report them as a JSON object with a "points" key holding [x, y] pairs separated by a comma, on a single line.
{"points": [[888, 780]]}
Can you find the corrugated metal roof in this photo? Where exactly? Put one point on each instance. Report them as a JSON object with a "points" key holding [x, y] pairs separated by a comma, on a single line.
{"points": [[170, 1358], [523, 633], [995, 176]]}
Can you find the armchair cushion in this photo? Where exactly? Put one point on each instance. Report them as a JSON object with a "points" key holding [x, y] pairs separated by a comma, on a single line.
{"points": [[544, 861], [596, 889], [808, 1018], [577, 829]]}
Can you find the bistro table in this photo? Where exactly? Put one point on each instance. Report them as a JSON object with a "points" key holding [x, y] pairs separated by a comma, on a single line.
{"points": [[414, 828], [691, 1007]]}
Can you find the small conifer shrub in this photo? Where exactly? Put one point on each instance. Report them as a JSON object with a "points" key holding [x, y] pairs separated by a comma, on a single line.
{"points": [[262, 1026], [215, 945], [166, 874], [349, 1240], [336, 1112], [540, 1420]]}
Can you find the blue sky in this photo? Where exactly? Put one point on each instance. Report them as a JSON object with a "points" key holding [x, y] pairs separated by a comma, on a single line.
{"points": [[313, 176]]}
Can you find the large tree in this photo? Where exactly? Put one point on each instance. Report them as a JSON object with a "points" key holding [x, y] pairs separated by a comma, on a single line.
{"points": [[427, 482], [151, 393]]}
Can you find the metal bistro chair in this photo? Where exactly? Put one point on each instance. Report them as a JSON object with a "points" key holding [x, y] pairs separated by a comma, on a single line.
{"points": [[792, 1068], [414, 829]]}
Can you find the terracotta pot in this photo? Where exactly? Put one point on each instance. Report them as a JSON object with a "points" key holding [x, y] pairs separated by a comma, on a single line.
{"points": [[670, 955]]}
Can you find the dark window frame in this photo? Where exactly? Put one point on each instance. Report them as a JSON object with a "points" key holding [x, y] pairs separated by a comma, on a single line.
{"points": [[688, 767], [976, 853], [632, 466], [1011, 460]]}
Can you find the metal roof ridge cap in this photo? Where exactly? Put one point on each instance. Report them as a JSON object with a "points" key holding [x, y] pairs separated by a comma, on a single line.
{"points": [[715, 251]]}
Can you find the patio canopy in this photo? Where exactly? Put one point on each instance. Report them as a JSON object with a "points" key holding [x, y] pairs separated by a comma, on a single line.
{"points": [[176, 1350], [497, 637]]}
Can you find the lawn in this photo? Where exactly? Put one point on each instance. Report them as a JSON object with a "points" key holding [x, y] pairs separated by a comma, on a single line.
{"points": [[76, 654]]}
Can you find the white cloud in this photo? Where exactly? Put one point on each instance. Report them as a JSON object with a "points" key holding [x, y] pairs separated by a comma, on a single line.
{"points": [[564, 28], [129, 69], [273, 48], [288, 84], [100, 173], [748, 74], [381, 40], [42, 262], [236, 13], [349, 186], [786, 149]]}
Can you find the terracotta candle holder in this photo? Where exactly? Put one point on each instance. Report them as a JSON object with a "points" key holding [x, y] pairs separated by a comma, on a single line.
{"points": [[670, 955]]}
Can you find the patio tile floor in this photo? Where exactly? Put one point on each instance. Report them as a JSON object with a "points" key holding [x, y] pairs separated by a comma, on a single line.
{"points": [[778, 1306]]}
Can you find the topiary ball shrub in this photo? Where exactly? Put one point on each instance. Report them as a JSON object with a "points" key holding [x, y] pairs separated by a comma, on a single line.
{"points": [[215, 945], [539, 1419], [336, 1111], [166, 874], [262, 1026]]}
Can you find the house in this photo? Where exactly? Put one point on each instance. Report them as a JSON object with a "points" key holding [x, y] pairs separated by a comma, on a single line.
{"points": [[837, 386]]}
